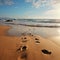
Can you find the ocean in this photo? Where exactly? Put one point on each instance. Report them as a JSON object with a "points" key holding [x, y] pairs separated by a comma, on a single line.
{"points": [[43, 27]]}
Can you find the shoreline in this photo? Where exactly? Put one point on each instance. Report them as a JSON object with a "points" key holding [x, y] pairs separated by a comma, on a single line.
{"points": [[4, 30], [50, 26], [40, 26]]}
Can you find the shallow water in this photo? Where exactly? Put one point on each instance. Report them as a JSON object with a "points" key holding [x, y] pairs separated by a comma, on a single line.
{"points": [[42, 31]]}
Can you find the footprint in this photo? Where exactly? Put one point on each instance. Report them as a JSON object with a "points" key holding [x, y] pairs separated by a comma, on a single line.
{"points": [[36, 39], [46, 51], [25, 38], [23, 55]]}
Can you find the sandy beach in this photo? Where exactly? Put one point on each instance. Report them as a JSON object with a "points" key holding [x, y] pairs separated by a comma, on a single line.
{"points": [[10, 44]]}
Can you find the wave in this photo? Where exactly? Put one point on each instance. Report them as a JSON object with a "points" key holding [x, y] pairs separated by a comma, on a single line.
{"points": [[49, 23], [38, 25]]}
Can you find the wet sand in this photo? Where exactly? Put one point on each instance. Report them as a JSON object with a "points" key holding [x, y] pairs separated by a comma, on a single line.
{"points": [[55, 39], [10, 44]]}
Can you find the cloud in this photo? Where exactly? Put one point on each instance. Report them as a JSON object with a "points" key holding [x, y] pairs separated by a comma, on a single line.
{"points": [[53, 13], [39, 3], [35, 3], [6, 2]]}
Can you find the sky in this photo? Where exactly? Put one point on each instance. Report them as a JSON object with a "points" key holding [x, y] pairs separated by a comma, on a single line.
{"points": [[36, 9]]}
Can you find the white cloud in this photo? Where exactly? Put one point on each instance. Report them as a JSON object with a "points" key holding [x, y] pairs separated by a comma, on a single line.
{"points": [[53, 13], [35, 3], [38, 3], [6, 2]]}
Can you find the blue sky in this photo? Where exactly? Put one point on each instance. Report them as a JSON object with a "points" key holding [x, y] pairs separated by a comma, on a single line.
{"points": [[30, 9]]}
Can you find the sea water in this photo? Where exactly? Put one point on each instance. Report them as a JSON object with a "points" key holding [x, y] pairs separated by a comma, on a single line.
{"points": [[43, 27]]}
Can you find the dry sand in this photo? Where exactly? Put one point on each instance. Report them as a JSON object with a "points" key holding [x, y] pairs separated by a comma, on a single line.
{"points": [[9, 45]]}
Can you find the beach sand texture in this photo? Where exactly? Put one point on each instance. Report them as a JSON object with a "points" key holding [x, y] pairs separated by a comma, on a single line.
{"points": [[10, 44]]}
